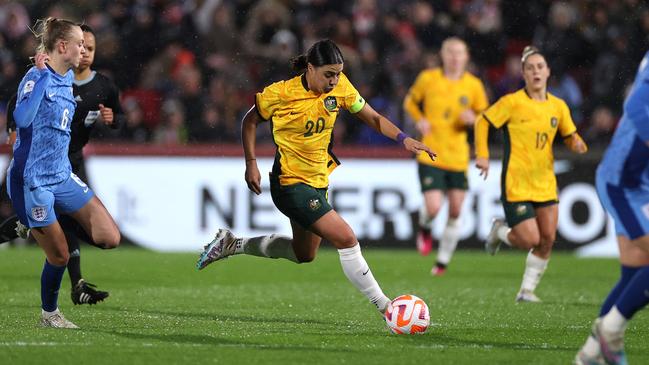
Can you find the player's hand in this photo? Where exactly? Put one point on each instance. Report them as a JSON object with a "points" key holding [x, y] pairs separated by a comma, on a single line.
{"points": [[11, 138], [467, 117], [483, 165], [40, 59], [423, 127], [417, 147], [253, 177], [576, 144], [106, 114]]}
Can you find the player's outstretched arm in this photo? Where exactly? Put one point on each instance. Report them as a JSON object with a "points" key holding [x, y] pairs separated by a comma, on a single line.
{"points": [[249, 139], [481, 141], [384, 126], [575, 143]]}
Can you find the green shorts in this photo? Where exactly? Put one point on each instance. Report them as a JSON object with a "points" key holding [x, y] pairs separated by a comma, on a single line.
{"points": [[516, 212], [300, 202], [433, 178]]}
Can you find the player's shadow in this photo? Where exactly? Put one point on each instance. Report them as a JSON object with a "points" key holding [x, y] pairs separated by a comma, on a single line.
{"points": [[225, 317], [191, 339], [441, 340]]}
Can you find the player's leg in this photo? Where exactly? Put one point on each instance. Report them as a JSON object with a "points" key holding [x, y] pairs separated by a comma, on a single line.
{"points": [[427, 212], [519, 228], [334, 229], [538, 257], [302, 204], [432, 185], [98, 224], [451, 235], [610, 331], [35, 208]]}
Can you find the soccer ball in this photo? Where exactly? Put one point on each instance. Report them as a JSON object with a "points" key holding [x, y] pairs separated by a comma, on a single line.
{"points": [[407, 314]]}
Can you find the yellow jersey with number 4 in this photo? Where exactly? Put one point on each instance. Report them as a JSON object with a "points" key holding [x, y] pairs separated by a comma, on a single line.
{"points": [[530, 127], [302, 123], [441, 101]]}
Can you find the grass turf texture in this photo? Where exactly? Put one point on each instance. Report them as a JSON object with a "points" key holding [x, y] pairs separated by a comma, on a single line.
{"points": [[252, 310]]}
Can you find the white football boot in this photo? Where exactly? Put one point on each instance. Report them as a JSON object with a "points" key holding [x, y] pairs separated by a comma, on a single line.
{"points": [[492, 243], [56, 320], [223, 245]]}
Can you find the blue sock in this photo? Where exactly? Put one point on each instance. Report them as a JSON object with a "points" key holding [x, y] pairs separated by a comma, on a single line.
{"points": [[50, 284], [636, 294], [627, 273]]}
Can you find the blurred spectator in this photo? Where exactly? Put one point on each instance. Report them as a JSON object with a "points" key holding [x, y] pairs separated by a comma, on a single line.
{"points": [[134, 130], [601, 128], [212, 56], [172, 127], [512, 79], [564, 86]]}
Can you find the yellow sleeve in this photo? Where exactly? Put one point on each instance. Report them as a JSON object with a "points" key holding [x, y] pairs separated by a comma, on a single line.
{"points": [[480, 102], [269, 100], [481, 137], [499, 113], [566, 125], [415, 96], [352, 100]]}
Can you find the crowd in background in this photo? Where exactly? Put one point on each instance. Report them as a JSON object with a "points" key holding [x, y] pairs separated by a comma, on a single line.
{"points": [[189, 70]]}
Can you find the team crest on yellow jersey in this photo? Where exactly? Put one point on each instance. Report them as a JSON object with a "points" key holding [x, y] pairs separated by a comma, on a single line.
{"points": [[330, 103], [464, 100], [314, 204], [553, 122]]}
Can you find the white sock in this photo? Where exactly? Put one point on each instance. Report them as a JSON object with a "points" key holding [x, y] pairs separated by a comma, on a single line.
{"points": [[591, 347], [503, 233], [47, 314], [534, 269], [358, 272], [614, 321], [424, 219], [448, 242], [273, 246]]}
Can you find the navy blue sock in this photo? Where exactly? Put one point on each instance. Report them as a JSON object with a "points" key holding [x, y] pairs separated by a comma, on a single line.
{"points": [[636, 294], [50, 284], [627, 273]]}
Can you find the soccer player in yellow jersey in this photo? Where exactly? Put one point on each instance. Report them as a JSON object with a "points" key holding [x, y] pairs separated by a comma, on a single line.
{"points": [[302, 112], [444, 102], [530, 119]]}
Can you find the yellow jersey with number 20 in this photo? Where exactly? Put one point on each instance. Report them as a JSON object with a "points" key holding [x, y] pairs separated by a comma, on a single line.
{"points": [[302, 123], [529, 127]]}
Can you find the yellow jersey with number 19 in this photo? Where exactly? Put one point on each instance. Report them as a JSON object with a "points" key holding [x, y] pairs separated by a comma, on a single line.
{"points": [[530, 127], [302, 123]]}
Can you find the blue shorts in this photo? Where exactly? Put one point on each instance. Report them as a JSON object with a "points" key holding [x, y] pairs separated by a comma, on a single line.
{"points": [[628, 206], [37, 207]]}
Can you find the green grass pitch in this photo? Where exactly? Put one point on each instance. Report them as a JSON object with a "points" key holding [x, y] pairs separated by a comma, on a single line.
{"points": [[248, 310]]}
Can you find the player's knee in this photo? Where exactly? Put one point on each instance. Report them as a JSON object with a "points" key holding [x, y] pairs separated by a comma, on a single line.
{"points": [[59, 258], [111, 240], [305, 259]]}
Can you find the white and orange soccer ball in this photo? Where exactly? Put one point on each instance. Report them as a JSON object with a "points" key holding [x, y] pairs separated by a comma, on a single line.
{"points": [[407, 315]]}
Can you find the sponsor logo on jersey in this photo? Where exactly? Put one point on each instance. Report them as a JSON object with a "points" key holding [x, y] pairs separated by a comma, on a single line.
{"points": [[314, 204], [464, 100], [39, 213], [29, 86], [330, 103], [553, 122]]}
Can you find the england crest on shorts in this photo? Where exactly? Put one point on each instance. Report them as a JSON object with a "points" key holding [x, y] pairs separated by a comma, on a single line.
{"points": [[39, 213]]}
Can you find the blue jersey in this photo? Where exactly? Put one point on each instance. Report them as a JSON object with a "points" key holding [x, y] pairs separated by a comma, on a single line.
{"points": [[626, 160], [44, 109]]}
